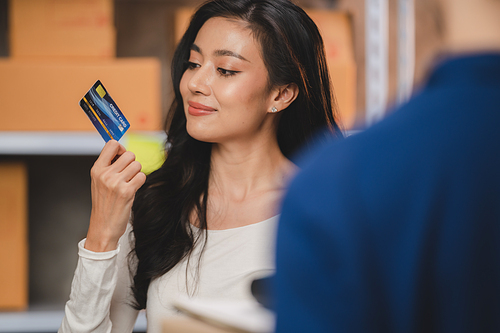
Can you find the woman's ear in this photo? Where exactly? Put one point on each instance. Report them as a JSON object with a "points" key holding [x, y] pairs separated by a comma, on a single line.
{"points": [[283, 96]]}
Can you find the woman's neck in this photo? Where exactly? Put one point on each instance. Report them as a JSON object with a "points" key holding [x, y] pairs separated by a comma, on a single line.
{"points": [[249, 168]]}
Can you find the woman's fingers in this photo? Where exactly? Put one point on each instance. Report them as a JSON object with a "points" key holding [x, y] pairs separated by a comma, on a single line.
{"points": [[138, 180], [131, 170], [114, 185], [115, 168], [111, 149], [123, 161], [117, 158]]}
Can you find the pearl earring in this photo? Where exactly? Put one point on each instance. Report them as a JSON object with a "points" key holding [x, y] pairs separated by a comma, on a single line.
{"points": [[274, 110]]}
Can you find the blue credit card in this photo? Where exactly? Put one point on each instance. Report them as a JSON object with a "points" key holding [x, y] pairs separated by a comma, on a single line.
{"points": [[104, 113]]}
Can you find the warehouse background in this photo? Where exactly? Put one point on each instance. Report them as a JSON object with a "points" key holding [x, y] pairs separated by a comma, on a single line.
{"points": [[57, 191]]}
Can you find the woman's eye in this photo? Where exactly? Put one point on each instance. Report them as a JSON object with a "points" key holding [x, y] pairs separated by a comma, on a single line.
{"points": [[226, 72], [192, 65]]}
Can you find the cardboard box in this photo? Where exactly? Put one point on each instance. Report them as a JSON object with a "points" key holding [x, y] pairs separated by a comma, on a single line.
{"points": [[62, 28], [182, 19], [13, 237], [44, 95], [335, 28]]}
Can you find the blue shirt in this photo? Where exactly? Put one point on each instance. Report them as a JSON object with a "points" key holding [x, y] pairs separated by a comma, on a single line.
{"points": [[397, 229]]}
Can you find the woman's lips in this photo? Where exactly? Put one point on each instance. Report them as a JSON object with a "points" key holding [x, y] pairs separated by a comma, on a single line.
{"points": [[197, 109]]}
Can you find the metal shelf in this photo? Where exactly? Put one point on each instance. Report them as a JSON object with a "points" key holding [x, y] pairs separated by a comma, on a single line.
{"points": [[58, 143], [45, 321]]}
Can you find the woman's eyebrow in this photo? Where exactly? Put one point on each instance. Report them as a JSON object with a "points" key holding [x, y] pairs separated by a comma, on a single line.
{"points": [[228, 53], [196, 48], [220, 53]]}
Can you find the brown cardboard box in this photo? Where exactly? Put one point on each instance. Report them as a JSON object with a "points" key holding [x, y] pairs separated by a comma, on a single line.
{"points": [[44, 95], [62, 28], [335, 28], [182, 18], [13, 237]]}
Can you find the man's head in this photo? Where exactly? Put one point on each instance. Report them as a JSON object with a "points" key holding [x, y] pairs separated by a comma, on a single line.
{"points": [[470, 25]]}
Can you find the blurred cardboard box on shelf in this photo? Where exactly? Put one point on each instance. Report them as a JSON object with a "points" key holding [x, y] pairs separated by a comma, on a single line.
{"points": [[336, 30], [182, 19], [44, 95], [62, 28], [13, 236]]}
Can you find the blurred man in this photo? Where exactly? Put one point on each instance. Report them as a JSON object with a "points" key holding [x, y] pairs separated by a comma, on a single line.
{"points": [[397, 229]]}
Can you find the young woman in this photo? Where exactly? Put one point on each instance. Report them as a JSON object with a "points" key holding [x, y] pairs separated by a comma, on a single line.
{"points": [[251, 87]]}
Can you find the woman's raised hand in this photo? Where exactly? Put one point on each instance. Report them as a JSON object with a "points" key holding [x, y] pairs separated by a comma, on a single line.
{"points": [[116, 176]]}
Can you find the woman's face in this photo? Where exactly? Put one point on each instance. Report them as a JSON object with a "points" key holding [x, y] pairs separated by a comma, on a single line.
{"points": [[225, 88]]}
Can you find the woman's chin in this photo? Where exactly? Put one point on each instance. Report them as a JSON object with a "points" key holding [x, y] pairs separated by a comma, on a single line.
{"points": [[202, 135]]}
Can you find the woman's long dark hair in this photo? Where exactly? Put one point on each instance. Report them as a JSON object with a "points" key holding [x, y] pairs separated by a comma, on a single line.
{"points": [[293, 52]]}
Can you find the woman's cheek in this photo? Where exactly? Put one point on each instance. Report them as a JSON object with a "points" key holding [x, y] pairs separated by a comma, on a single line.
{"points": [[231, 93], [183, 85]]}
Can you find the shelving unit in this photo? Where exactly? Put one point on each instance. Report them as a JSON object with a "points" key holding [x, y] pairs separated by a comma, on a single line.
{"points": [[21, 145], [58, 143], [50, 143], [58, 162], [45, 321]]}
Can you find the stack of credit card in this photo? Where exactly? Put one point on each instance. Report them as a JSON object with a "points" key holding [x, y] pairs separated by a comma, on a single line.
{"points": [[104, 113]]}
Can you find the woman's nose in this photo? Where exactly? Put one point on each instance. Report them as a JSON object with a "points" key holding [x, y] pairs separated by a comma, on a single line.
{"points": [[200, 81]]}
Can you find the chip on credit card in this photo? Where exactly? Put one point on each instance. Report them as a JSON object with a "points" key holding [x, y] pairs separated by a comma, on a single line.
{"points": [[104, 113]]}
